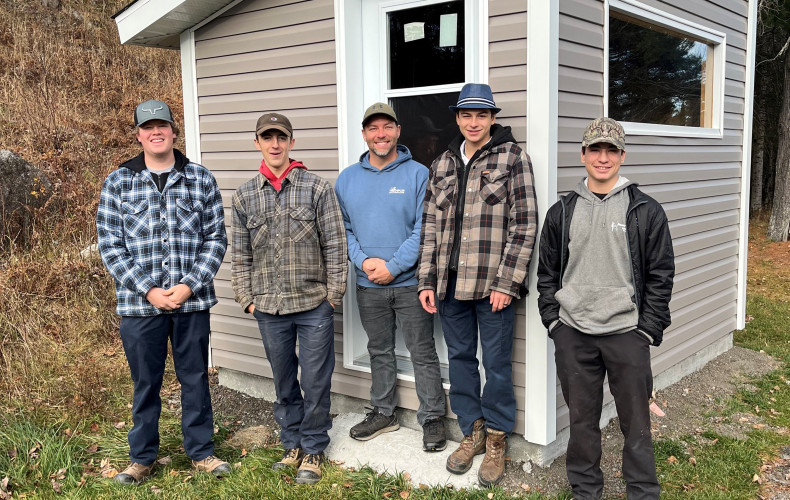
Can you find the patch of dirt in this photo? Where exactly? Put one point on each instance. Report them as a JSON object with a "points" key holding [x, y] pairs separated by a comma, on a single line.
{"points": [[692, 405]]}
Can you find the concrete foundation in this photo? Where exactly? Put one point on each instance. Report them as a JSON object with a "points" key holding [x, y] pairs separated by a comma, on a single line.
{"points": [[519, 448]]}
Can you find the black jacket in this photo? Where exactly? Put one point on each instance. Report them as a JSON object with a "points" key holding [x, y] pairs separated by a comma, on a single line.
{"points": [[650, 248]]}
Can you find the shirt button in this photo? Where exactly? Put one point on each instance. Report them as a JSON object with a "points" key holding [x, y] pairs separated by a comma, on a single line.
{"points": [[469, 190], [461, 263], [466, 214]]}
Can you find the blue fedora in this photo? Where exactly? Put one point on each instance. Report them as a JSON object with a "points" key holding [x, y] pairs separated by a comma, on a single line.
{"points": [[476, 96]]}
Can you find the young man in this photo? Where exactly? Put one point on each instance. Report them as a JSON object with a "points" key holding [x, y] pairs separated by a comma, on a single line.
{"points": [[477, 236], [383, 242], [162, 237], [289, 271], [605, 279]]}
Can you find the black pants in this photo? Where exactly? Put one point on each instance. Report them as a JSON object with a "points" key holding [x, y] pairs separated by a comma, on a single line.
{"points": [[582, 362]]}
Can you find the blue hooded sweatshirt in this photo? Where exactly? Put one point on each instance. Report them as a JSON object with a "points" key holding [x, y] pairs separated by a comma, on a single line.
{"points": [[382, 212]]}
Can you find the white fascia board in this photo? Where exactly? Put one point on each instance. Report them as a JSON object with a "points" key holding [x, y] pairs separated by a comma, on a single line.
{"points": [[746, 165], [540, 385], [143, 14]]}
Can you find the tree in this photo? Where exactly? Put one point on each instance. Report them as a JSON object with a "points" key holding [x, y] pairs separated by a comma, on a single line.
{"points": [[780, 213]]}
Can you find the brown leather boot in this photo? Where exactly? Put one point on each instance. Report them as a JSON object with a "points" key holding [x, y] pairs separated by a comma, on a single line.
{"points": [[493, 466], [461, 459]]}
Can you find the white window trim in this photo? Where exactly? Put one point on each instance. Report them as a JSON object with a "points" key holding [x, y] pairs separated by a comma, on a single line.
{"points": [[351, 84], [716, 38]]}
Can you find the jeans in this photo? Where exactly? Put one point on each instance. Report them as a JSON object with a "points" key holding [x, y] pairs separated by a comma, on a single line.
{"points": [[145, 344], [304, 420], [380, 309], [460, 322], [582, 362]]}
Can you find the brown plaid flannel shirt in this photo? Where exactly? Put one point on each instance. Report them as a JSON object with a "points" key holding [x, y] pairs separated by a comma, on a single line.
{"points": [[500, 222], [288, 248]]}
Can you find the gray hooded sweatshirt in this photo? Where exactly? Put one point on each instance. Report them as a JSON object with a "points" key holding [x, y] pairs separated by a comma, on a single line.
{"points": [[597, 287]]}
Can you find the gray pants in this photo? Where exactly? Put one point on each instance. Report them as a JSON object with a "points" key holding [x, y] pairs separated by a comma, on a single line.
{"points": [[380, 310]]}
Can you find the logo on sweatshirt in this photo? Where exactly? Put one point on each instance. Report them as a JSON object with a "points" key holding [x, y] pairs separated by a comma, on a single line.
{"points": [[618, 227], [394, 190]]}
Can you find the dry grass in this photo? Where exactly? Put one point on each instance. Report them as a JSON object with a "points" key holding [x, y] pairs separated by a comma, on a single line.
{"points": [[67, 93]]}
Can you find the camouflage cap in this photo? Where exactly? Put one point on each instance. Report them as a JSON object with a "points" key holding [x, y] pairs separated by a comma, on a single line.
{"points": [[604, 130]]}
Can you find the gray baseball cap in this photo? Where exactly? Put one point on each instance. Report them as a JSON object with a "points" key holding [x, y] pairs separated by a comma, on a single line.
{"points": [[152, 110]]}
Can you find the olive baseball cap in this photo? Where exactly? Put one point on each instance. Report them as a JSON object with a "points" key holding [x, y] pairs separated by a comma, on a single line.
{"points": [[275, 121], [152, 110], [379, 108], [604, 130]]}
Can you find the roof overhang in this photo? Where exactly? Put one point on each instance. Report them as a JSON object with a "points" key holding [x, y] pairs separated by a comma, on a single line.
{"points": [[159, 23]]}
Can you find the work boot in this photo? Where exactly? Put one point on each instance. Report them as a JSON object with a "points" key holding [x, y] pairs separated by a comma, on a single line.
{"points": [[213, 465], [493, 466], [291, 458], [310, 470], [375, 423], [434, 437], [461, 459], [135, 473]]}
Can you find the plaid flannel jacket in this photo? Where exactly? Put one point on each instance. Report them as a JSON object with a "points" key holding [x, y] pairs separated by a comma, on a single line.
{"points": [[288, 248], [499, 221], [150, 239]]}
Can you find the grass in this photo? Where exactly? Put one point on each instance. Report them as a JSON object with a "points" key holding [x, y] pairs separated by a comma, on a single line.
{"points": [[64, 382]]}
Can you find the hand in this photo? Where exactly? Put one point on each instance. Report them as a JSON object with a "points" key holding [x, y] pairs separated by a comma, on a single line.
{"points": [[179, 293], [499, 300], [331, 304], [377, 271], [428, 301], [251, 308], [158, 298]]}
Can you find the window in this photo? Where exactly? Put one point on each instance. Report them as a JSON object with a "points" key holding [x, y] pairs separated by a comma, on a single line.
{"points": [[663, 73]]}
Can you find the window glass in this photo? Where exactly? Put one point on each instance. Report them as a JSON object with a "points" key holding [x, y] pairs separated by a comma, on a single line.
{"points": [[426, 45], [427, 124], [657, 75]]}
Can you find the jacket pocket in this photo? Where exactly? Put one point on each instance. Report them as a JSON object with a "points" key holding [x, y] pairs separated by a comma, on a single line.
{"points": [[444, 191], [188, 215], [259, 231], [493, 186], [135, 219], [302, 224]]}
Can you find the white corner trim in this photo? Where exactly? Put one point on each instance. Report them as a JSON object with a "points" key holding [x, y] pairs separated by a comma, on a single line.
{"points": [[746, 165], [190, 96], [540, 386]]}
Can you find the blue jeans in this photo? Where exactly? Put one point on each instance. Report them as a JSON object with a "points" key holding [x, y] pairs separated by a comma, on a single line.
{"points": [[145, 344], [460, 322], [304, 421], [380, 309]]}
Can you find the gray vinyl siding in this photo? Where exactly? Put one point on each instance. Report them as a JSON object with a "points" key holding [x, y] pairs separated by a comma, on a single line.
{"points": [[696, 180], [507, 75]]}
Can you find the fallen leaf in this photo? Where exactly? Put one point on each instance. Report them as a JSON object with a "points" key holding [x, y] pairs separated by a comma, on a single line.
{"points": [[348, 485], [404, 494], [406, 476], [12, 453], [672, 459], [109, 473], [68, 432], [94, 427], [688, 487], [165, 460], [119, 425], [56, 487], [490, 495], [525, 487], [243, 452], [156, 490], [657, 410], [757, 479], [387, 494], [93, 448], [173, 472], [424, 486], [758, 426], [693, 461], [4, 484]]}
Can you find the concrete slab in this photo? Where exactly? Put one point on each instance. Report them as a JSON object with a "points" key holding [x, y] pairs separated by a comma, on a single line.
{"points": [[393, 452]]}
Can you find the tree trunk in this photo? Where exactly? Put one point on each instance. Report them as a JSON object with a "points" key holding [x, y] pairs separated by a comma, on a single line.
{"points": [[758, 154], [780, 213]]}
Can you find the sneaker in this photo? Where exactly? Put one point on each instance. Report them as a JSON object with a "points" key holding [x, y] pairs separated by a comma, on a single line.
{"points": [[493, 466], [135, 473], [310, 470], [291, 458], [213, 465], [434, 437], [461, 459], [375, 423]]}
